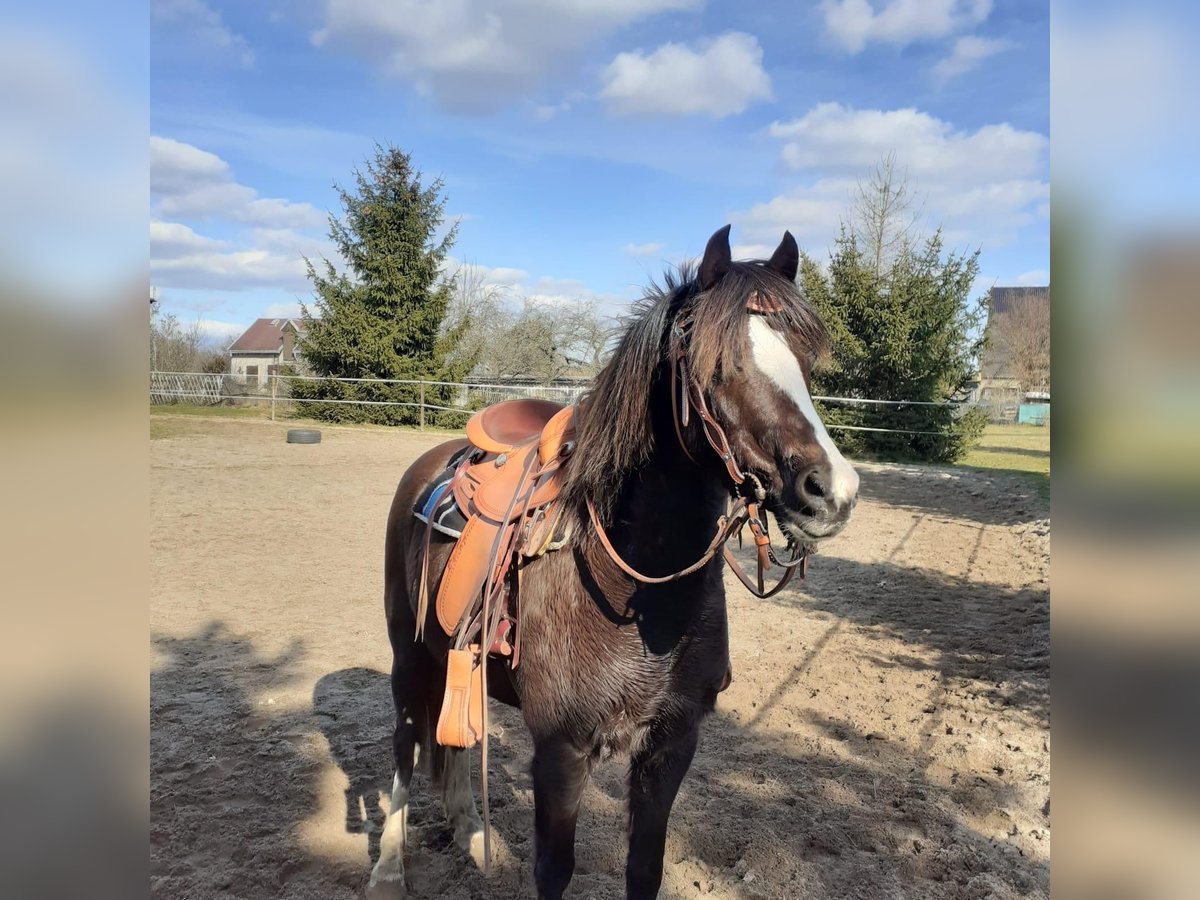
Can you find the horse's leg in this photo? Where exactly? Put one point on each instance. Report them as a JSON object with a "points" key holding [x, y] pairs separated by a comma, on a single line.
{"points": [[450, 771], [410, 665], [560, 772], [459, 802], [654, 778]]}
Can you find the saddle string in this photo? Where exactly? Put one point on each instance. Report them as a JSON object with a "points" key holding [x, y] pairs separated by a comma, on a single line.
{"points": [[423, 591], [490, 614]]}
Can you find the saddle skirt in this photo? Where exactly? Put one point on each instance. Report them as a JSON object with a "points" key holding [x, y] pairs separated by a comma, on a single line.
{"points": [[504, 492]]}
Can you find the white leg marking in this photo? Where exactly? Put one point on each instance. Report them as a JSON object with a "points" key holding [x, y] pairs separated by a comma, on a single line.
{"points": [[459, 802], [387, 878], [776, 360]]}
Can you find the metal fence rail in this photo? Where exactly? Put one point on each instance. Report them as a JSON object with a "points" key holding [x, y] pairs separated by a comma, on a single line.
{"points": [[464, 397]]}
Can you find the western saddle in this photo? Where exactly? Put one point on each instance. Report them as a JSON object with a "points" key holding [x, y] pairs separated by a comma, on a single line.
{"points": [[507, 486]]}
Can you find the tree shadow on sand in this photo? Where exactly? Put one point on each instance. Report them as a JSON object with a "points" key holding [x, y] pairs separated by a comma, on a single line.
{"points": [[986, 496], [767, 812], [233, 773], [847, 815], [759, 815], [994, 638], [838, 813]]}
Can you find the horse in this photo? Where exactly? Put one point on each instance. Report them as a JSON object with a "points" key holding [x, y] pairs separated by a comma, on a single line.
{"points": [[612, 664]]}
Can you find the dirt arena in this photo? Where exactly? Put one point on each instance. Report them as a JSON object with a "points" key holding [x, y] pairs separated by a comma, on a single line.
{"points": [[886, 734]]}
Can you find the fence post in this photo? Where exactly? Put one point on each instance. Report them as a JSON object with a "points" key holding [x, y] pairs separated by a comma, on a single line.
{"points": [[274, 387], [422, 404]]}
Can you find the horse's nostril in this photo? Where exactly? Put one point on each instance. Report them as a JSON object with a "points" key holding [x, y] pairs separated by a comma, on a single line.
{"points": [[813, 487]]}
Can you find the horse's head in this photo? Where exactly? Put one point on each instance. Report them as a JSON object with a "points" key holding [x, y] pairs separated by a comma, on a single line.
{"points": [[752, 339]]}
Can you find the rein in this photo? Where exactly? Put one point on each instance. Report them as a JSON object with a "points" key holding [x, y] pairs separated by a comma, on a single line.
{"points": [[686, 393]]}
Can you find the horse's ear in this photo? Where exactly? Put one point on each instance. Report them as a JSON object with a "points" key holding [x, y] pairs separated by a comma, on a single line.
{"points": [[786, 258], [717, 257]]}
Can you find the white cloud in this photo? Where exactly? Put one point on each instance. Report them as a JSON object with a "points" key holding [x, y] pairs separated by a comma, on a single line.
{"points": [[173, 238], [282, 311], [834, 138], [269, 237], [476, 55], [720, 77], [546, 112], [505, 275], [500, 276], [968, 53], [643, 249], [982, 186], [188, 182], [198, 23], [811, 213], [1036, 277], [221, 333], [855, 23], [519, 287], [176, 167], [752, 251], [229, 270]]}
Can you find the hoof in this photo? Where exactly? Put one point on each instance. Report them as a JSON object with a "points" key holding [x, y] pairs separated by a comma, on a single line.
{"points": [[386, 886], [470, 841]]}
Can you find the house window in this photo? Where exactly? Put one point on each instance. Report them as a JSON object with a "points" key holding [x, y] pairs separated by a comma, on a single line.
{"points": [[252, 371], [273, 370]]}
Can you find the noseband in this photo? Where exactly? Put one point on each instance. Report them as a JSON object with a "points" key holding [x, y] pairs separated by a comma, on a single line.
{"points": [[747, 490]]}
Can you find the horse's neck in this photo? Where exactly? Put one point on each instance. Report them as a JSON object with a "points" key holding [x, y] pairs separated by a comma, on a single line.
{"points": [[667, 511]]}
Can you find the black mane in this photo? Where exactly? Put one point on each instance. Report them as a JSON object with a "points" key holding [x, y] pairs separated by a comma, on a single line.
{"points": [[615, 436]]}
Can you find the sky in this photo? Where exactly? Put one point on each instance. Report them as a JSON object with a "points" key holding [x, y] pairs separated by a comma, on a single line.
{"points": [[585, 145]]}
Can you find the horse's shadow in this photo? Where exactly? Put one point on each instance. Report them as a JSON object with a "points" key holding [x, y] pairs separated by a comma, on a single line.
{"points": [[353, 709], [784, 817]]}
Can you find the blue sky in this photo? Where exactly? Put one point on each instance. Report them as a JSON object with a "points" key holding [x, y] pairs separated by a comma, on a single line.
{"points": [[585, 144]]}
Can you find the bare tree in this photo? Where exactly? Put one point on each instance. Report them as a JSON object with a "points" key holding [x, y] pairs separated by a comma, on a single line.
{"points": [[585, 336], [542, 340], [1020, 334], [476, 313], [884, 215], [174, 348], [531, 346]]}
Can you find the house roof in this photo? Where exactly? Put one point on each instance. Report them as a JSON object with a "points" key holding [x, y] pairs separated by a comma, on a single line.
{"points": [[265, 336]]}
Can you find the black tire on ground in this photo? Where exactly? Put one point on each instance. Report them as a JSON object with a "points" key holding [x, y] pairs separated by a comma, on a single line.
{"points": [[303, 436]]}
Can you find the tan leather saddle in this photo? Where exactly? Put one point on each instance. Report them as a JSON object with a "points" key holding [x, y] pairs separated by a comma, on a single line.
{"points": [[508, 489]]}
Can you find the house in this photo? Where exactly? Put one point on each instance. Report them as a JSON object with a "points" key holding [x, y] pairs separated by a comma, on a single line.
{"points": [[999, 387], [264, 347]]}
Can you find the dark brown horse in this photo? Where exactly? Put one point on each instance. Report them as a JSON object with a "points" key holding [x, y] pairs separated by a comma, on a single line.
{"points": [[609, 664]]}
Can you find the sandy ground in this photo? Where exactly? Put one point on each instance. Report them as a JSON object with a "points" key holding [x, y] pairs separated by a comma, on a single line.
{"points": [[886, 734]]}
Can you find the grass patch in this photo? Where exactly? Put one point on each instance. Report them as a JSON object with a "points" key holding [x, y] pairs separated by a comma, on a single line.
{"points": [[1024, 449], [250, 411], [182, 420]]}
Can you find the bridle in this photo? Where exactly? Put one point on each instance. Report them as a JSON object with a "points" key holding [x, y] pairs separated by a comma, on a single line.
{"points": [[748, 494]]}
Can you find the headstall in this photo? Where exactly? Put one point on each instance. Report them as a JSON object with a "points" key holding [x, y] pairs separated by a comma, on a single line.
{"points": [[745, 509]]}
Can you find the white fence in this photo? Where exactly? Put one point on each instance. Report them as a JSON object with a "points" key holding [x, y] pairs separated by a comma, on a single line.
{"points": [[201, 389], [465, 397]]}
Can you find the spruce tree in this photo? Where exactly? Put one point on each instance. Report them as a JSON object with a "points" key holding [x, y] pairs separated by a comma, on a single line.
{"points": [[905, 331], [380, 316]]}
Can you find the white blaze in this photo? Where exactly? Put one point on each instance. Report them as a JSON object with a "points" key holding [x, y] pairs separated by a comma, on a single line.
{"points": [[776, 360]]}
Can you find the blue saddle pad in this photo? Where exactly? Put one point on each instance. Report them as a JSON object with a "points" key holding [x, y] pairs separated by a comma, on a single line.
{"points": [[436, 504]]}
